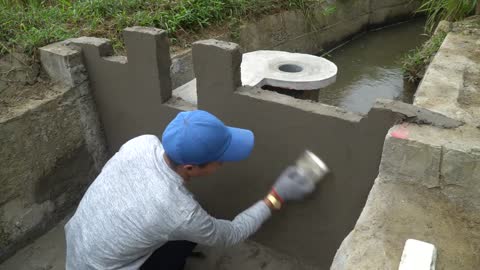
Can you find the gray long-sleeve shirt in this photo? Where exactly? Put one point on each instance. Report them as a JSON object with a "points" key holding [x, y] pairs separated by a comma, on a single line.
{"points": [[136, 205]]}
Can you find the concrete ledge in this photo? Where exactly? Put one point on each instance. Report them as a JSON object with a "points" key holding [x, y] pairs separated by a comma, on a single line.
{"points": [[451, 84], [410, 161], [63, 64], [304, 105], [414, 114]]}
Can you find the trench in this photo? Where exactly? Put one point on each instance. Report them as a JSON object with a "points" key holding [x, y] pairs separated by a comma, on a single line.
{"points": [[370, 67]]}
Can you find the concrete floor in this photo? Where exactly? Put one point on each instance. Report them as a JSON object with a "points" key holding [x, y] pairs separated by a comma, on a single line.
{"points": [[48, 253]]}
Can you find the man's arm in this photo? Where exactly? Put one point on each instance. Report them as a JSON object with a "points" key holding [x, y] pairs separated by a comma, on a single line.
{"points": [[199, 227], [204, 229]]}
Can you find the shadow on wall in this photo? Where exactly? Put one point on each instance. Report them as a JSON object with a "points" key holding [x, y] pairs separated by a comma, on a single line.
{"points": [[133, 97]]}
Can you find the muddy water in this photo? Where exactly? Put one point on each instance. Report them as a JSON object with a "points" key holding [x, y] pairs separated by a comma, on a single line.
{"points": [[369, 67]]}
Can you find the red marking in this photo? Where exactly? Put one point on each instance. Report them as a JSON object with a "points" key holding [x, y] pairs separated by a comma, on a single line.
{"points": [[401, 132]]}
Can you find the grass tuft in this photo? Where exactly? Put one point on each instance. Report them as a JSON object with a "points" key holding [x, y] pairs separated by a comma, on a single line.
{"points": [[415, 62], [450, 10]]}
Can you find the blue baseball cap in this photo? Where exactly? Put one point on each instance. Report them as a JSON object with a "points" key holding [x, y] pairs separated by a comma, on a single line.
{"points": [[198, 137]]}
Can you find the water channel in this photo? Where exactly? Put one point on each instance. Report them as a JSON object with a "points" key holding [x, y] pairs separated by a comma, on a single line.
{"points": [[369, 67]]}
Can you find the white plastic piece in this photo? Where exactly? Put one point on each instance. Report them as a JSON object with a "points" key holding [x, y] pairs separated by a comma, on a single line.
{"points": [[418, 255], [287, 70]]}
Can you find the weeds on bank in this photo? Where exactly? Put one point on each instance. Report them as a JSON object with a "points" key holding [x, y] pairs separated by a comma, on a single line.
{"points": [[450, 10], [28, 24], [415, 62]]}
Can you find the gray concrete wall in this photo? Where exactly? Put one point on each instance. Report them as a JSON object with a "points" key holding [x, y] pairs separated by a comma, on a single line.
{"points": [[50, 150], [284, 126], [129, 91], [131, 96], [130, 104]]}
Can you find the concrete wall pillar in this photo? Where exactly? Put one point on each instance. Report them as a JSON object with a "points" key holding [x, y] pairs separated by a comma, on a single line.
{"points": [[148, 55], [217, 69], [65, 66], [129, 91]]}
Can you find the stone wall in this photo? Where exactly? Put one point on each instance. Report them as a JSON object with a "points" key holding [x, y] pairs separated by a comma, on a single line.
{"points": [[50, 150]]}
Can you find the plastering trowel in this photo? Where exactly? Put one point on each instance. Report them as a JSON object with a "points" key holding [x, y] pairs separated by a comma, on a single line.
{"points": [[311, 166]]}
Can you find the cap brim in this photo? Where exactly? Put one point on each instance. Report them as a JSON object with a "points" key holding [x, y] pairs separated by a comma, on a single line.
{"points": [[240, 146]]}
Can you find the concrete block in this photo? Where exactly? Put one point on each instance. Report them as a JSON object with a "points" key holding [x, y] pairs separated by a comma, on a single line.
{"points": [[418, 255], [410, 161], [451, 85], [101, 47], [63, 64], [462, 169]]}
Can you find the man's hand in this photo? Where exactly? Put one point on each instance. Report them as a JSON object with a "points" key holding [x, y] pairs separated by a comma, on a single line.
{"points": [[291, 185]]}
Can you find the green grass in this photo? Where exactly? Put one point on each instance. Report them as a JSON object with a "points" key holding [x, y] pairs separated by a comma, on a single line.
{"points": [[26, 25], [416, 61], [450, 10]]}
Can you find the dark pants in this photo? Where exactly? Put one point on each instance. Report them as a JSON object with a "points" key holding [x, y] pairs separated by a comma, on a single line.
{"points": [[171, 256]]}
